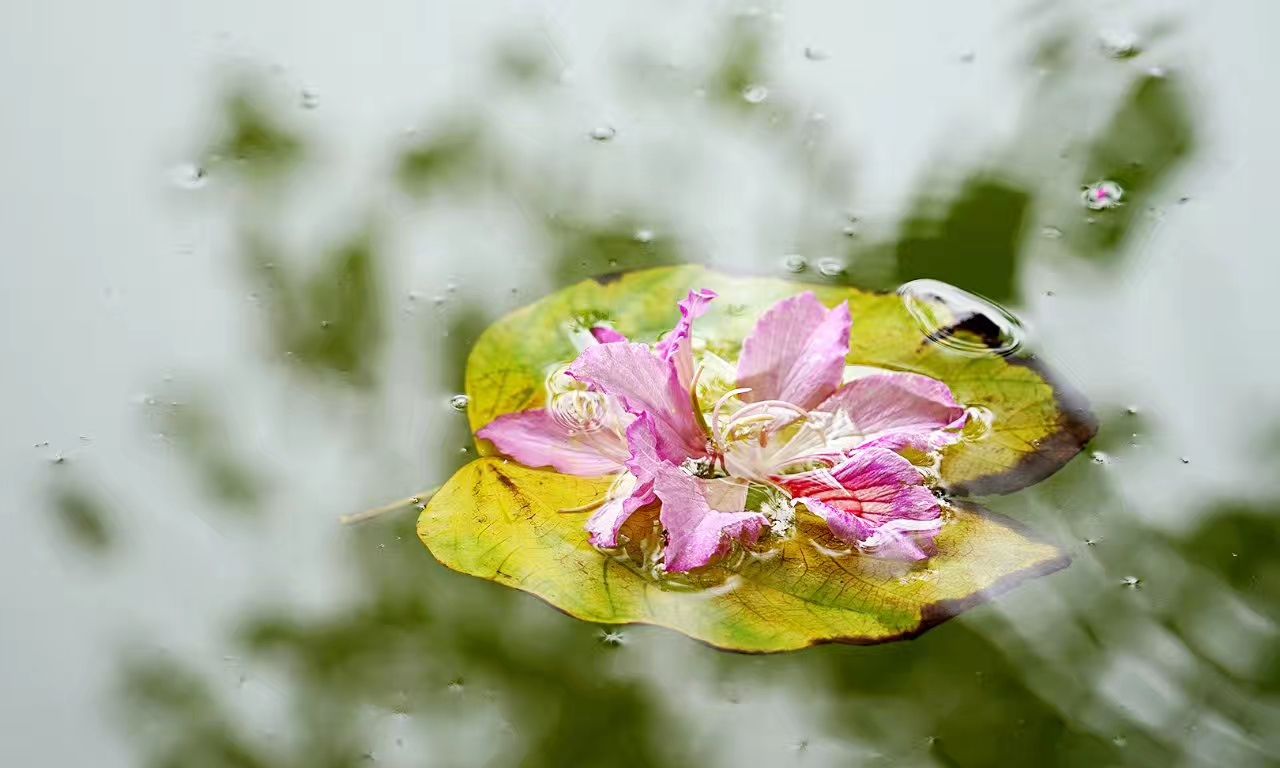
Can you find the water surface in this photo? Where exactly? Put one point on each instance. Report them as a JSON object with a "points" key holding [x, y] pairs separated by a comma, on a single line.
{"points": [[246, 248]]}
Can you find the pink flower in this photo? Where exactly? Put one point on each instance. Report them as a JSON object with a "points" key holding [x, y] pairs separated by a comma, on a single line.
{"points": [[796, 426]]}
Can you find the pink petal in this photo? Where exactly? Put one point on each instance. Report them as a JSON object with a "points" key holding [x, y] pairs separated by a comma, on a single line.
{"points": [[603, 334], [702, 518], [607, 521], [677, 347], [900, 410], [894, 540], [535, 439], [645, 384], [796, 352], [643, 465], [874, 499]]}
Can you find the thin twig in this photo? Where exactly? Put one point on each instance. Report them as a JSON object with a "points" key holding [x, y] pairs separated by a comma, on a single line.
{"points": [[416, 500]]}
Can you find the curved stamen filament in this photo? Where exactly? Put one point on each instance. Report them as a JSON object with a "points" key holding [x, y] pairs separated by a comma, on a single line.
{"points": [[715, 412], [750, 414]]}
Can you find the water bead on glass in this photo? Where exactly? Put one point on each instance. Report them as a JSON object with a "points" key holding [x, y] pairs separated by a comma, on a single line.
{"points": [[755, 94], [1102, 195], [795, 263]]}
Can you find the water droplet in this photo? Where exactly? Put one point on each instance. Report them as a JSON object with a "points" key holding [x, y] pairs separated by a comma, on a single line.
{"points": [[830, 267], [325, 323], [960, 320], [459, 402], [978, 422], [309, 99], [795, 263], [737, 309], [455, 686], [1119, 44], [1100, 458], [1184, 459], [1132, 582], [612, 637], [967, 57], [1102, 195], [59, 459], [1091, 542], [755, 94], [643, 236], [1051, 233], [814, 53], [603, 132], [1120, 741], [189, 176]]}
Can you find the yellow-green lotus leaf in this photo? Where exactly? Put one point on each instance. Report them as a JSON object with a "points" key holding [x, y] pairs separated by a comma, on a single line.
{"points": [[508, 523]]}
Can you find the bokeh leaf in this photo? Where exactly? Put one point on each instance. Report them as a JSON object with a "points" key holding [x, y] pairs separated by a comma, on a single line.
{"points": [[505, 522]]}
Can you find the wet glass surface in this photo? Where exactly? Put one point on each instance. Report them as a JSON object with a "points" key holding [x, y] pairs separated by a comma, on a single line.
{"points": [[247, 247]]}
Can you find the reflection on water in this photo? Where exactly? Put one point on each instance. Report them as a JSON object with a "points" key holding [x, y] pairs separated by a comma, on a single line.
{"points": [[1159, 646]]}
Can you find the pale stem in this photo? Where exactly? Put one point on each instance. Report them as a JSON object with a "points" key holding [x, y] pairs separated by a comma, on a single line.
{"points": [[395, 506]]}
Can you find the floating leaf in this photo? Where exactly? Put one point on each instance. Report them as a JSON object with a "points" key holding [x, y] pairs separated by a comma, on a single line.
{"points": [[502, 521]]}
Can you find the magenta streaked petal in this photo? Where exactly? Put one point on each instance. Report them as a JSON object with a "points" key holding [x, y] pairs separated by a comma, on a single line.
{"points": [[645, 384], [876, 500], [702, 518], [796, 352], [535, 439], [899, 410], [603, 334], [895, 539], [677, 347]]}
